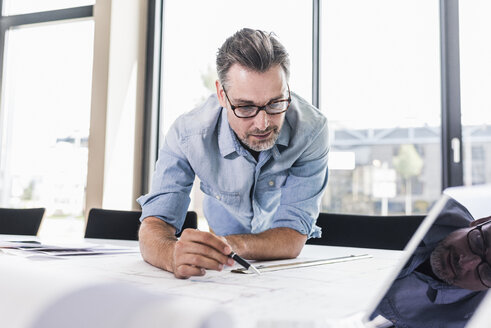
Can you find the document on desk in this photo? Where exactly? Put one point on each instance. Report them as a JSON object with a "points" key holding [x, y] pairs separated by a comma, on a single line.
{"points": [[35, 248]]}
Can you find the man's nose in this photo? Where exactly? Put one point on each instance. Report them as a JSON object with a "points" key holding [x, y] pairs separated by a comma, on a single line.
{"points": [[262, 120], [469, 262]]}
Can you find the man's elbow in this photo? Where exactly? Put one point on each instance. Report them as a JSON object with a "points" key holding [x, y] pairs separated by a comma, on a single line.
{"points": [[157, 240], [145, 233], [144, 236], [296, 246]]}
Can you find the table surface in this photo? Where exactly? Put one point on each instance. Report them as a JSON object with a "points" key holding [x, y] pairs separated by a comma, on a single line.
{"points": [[318, 292]]}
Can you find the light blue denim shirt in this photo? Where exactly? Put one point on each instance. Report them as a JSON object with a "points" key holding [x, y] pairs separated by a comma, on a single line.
{"points": [[282, 189]]}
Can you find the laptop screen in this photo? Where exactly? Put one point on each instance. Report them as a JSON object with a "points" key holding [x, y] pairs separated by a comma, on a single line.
{"points": [[448, 271]]}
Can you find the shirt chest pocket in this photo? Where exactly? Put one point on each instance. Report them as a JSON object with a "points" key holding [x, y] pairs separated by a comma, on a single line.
{"points": [[228, 198], [272, 182]]}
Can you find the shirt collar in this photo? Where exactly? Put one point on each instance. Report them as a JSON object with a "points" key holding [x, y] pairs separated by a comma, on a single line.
{"points": [[284, 137], [226, 136], [441, 293]]}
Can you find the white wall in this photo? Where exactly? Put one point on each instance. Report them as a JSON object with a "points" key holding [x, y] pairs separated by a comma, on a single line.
{"points": [[117, 104]]}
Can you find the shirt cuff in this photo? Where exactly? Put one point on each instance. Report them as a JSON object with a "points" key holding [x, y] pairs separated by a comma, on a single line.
{"points": [[169, 207], [293, 218]]}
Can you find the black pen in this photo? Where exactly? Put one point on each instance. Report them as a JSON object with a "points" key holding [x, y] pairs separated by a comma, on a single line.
{"points": [[243, 262]]}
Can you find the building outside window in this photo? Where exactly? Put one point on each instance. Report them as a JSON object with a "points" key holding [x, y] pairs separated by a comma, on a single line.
{"points": [[380, 89]]}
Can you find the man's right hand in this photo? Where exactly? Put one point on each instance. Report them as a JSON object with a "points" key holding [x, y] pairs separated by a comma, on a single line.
{"points": [[197, 251], [194, 253]]}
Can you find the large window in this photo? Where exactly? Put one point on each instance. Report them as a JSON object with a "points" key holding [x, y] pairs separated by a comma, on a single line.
{"points": [[380, 91], [475, 54], [380, 85], [192, 37], [45, 113]]}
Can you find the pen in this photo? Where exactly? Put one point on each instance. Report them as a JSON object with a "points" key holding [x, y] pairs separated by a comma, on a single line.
{"points": [[243, 262]]}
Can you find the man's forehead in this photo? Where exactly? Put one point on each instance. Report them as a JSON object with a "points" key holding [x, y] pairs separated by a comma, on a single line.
{"points": [[485, 224], [486, 219], [238, 74], [250, 95], [237, 70]]}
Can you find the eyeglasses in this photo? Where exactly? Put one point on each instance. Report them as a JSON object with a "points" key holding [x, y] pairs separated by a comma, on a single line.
{"points": [[275, 107], [478, 245]]}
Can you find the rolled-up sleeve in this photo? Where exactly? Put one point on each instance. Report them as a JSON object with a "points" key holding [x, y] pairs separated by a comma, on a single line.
{"points": [[302, 192], [171, 184]]}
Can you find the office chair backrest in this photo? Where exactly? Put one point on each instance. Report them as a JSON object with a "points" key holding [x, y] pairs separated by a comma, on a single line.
{"points": [[20, 221], [382, 232], [113, 224]]}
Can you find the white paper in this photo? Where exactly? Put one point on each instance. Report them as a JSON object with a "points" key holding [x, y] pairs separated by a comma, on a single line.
{"points": [[36, 249], [327, 291], [34, 295]]}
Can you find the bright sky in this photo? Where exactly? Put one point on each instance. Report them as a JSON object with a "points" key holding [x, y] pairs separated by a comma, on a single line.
{"points": [[380, 67], [475, 55]]}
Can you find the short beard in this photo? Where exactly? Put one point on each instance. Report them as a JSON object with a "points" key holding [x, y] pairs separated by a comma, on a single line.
{"points": [[264, 144], [437, 267]]}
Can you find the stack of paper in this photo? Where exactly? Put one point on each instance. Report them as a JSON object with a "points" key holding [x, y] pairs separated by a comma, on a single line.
{"points": [[30, 248]]}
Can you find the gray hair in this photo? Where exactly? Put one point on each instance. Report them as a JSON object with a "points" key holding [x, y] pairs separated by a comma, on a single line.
{"points": [[253, 49]]}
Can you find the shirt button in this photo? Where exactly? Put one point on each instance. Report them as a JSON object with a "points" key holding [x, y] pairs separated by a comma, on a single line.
{"points": [[271, 183], [217, 197]]}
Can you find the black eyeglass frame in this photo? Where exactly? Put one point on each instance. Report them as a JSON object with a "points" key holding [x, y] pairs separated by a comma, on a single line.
{"points": [[260, 108], [483, 259]]}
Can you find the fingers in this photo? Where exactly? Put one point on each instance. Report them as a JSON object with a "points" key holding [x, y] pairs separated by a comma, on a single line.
{"points": [[207, 238], [186, 271], [203, 256], [199, 250]]}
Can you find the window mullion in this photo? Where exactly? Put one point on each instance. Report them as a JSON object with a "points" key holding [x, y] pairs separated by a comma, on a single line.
{"points": [[452, 168]]}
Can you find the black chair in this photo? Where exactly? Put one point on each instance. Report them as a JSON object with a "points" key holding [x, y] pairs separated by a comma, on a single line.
{"points": [[20, 221], [382, 232], [113, 224]]}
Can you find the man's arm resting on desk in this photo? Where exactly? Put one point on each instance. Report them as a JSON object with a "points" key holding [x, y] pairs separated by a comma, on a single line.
{"points": [[272, 244], [197, 250], [189, 256]]}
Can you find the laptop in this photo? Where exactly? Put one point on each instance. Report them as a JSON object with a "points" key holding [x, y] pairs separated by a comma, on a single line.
{"points": [[454, 209]]}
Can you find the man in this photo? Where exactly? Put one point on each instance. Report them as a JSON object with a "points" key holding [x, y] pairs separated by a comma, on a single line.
{"points": [[260, 152], [445, 280]]}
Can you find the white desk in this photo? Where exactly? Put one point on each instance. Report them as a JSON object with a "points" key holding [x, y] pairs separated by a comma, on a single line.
{"points": [[326, 291]]}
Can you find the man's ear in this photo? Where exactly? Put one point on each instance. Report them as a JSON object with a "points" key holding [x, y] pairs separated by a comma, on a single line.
{"points": [[479, 221], [220, 94]]}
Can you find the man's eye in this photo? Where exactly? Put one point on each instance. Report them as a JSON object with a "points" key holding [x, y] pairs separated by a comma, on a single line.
{"points": [[276, 105], [247, 108], [476, 242]]}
